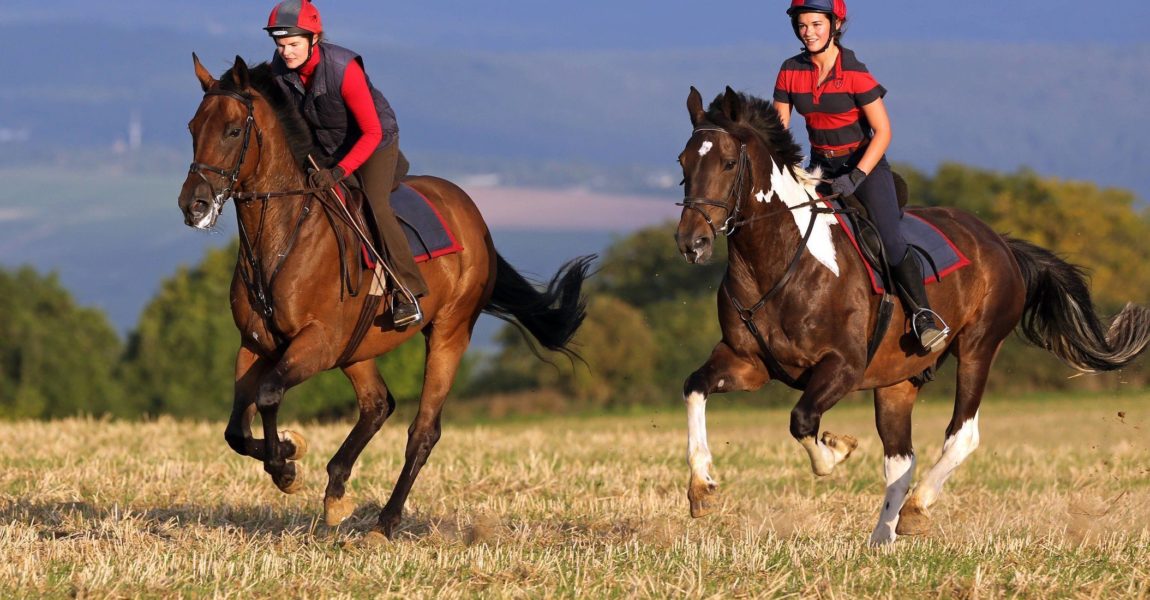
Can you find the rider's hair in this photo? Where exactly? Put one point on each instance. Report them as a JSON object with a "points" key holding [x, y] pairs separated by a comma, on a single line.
{"points": [[841, 23]]}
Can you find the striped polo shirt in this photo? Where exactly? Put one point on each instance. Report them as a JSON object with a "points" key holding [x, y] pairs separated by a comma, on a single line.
{"points": [[832, 110]]}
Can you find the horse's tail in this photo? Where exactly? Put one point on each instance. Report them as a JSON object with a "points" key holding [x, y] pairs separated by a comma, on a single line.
{"points": [[552, 315], [1059, 314]]}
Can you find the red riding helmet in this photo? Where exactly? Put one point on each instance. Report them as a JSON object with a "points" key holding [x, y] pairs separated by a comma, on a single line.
{"points": [[294, 17], [838, 8]]}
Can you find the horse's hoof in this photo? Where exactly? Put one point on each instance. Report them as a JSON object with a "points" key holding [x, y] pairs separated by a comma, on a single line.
{"points": [[704, 497], [882, 536], [297, 441], [913, 520], [388, 524], [841, 445], [337, 510], [375, 538], [290, 481]]}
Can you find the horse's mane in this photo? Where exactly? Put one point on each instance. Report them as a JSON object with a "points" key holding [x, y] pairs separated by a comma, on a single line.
{"points": [[297, 130], [760, 115]]}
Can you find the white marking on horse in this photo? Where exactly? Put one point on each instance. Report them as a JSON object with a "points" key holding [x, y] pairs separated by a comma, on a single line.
{"points": [[795, 192], [899, 471], [698, 452], [954, 450], [705, 147]]}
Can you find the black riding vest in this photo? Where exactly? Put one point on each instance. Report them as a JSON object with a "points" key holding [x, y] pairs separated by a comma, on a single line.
{"points": [[322, 105]]}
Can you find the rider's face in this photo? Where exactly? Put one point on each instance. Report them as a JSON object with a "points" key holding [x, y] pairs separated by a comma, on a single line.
{"points": [[814, 30], [293, 50]]}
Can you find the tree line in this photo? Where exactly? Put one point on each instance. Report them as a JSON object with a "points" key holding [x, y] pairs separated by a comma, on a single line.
{"points": [[651, 322]]}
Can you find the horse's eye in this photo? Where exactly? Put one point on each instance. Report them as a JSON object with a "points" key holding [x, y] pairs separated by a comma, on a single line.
{"points": [[235, 132], [730, 164]]}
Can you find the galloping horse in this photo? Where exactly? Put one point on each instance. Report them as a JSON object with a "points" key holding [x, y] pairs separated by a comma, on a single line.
{"points": [[794, 306], [288, 298]]}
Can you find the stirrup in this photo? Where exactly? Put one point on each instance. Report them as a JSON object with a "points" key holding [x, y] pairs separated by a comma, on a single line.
{"points": [[930, 337], [405, 313]]}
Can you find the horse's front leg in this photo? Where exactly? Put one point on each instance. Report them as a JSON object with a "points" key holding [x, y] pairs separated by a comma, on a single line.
{"points": [[724, 371], [250, 371], [831, 379], [306, 354]]}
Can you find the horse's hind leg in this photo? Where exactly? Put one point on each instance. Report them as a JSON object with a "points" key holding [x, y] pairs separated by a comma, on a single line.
{"points": [[375, 406], [893, 406], [250, 370], [961, 440], [444, 351], [724, 371]]}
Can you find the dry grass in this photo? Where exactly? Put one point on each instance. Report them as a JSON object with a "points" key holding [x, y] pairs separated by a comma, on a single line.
{"points": [[1056, 503]]}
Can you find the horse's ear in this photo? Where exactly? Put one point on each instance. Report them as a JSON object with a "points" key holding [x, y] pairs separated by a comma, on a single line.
{"points": [[240, 74], [695, 106], [206, 79], [732, 104]]}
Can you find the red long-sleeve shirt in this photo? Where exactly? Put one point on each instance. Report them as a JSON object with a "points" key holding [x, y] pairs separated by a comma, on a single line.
{"points": [[357, 96]]}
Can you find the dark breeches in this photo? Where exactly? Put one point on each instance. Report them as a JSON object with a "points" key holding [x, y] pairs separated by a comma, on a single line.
{"points": [[878, 194], [378, 174]]}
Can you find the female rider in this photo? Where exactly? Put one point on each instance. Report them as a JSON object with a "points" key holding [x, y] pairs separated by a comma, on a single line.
{"points": [[849, 131], [353, 123]]}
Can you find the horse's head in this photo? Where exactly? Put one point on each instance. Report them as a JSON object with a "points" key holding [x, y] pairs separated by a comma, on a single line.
{"points": [[723, 160], [224, 142]]}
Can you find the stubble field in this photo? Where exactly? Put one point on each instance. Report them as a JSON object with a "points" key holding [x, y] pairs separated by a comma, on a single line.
{"points": [[1055, 503]]}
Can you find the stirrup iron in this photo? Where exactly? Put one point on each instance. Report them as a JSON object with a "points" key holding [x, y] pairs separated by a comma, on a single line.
{"points": [[931, 342]]}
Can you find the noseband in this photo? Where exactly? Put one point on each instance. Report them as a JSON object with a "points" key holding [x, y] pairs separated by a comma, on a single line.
{"points": [[231, 176], [733, 203]]}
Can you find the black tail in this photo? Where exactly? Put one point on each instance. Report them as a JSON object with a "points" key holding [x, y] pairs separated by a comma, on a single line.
{"points": [[551, 316], [1059, 314]]}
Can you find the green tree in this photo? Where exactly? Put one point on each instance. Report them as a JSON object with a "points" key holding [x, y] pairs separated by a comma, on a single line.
{"points": [[56, 359]]}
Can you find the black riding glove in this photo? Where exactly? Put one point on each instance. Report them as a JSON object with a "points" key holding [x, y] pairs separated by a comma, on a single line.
{"points": [[845, 185], [326, 178]]}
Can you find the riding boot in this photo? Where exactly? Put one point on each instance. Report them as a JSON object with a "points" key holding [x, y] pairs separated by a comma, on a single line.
{"points": [[908, 275]]}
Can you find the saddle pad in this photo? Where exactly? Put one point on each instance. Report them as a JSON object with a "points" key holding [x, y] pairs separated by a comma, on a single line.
{"points": [[426, 231], [938, 256]]}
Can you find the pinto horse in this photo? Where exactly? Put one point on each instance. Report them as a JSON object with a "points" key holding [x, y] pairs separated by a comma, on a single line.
{"points": [[794, 306], [288, 294]]}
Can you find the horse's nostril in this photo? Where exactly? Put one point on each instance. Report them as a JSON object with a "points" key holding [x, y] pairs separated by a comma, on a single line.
{"points": [[701, 242]]}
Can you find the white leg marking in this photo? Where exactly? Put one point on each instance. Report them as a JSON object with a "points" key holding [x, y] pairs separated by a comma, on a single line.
{"points": [[705, 148], [823, 459], [899, 471], [955, 450], [698, 452]]}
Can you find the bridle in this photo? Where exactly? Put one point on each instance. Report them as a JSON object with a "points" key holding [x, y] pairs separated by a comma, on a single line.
{"points": [[734, 196], [731, 223], [231, 176]]}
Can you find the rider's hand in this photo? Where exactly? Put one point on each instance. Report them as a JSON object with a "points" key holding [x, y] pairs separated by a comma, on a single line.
{"points": [[845, 185], [326, 178]]}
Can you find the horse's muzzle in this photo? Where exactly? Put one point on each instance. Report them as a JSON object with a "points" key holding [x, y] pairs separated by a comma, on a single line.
{"points": [[199, 208], [696, 249]]}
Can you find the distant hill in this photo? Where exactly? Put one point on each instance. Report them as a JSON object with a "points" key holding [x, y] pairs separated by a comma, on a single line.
{"points": [[609, 118]]}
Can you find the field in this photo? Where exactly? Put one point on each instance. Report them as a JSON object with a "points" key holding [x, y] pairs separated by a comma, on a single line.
{"points": [[1055, 503]]}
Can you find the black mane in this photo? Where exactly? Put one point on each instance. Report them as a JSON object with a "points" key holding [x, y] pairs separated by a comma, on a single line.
{"points": [[760, 115], [298, 132]]}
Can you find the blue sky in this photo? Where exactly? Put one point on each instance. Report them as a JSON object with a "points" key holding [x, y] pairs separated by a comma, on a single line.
{"points": [[516, 25]]}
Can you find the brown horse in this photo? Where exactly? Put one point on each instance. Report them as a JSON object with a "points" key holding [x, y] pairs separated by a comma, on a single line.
{"points": [[288, 294], [795, 306]]}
